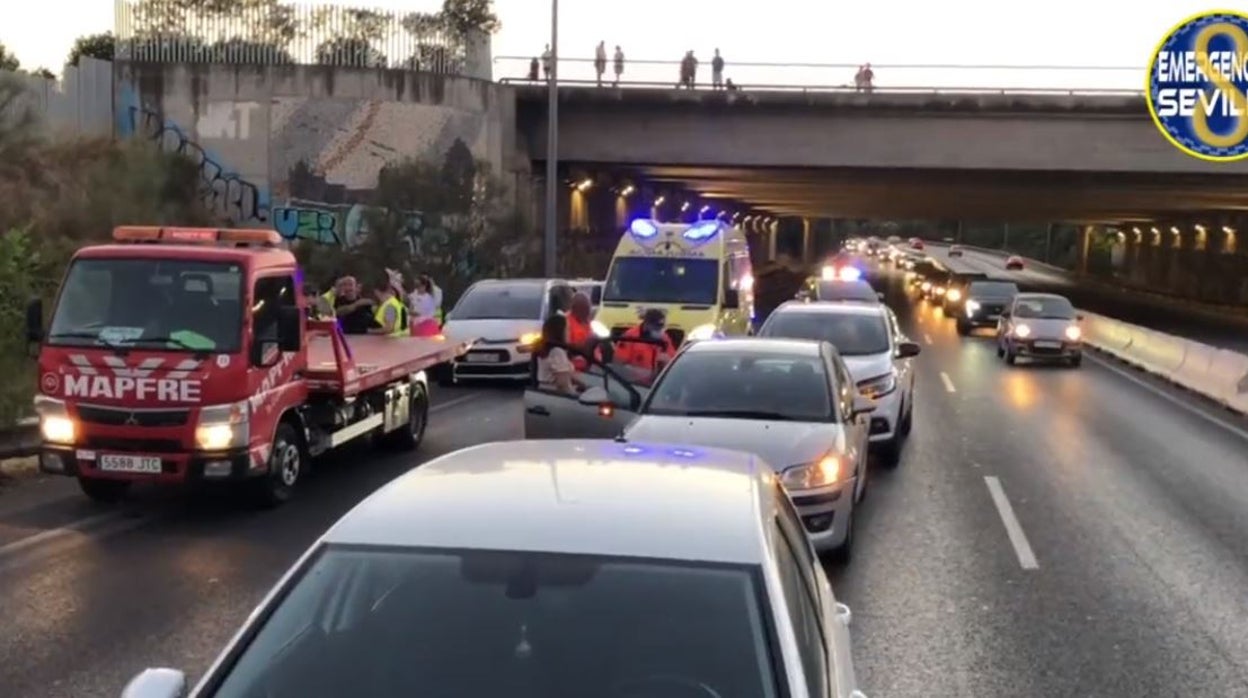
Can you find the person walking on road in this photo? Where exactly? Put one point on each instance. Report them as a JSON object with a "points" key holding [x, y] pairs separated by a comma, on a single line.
{"points": [[600, 61], [717, 71], [619, 64]]}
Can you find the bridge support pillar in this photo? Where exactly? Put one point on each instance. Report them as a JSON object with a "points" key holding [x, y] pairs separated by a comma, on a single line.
{"points": [[807, 252], [771, 234]]}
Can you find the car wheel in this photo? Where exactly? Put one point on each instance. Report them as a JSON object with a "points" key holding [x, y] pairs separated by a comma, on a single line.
{"points": [[409, 437], [963, 328], [104, 491], [890, 452], [286, 468]]}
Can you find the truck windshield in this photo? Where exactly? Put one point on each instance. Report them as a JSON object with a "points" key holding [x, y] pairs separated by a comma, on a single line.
{"points": [[159, 303], [662, 280]]}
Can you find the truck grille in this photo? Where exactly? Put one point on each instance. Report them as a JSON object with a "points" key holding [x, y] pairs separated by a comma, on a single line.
{"points": [[122, 444], [113, 416]]}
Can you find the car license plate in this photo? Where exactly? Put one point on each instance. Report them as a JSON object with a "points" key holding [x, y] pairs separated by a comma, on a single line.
{"points": [[129, 464], [1048, 345], [994, 317], [482, 358]]}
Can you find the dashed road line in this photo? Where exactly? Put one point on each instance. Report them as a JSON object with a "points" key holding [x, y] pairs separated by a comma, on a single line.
{"points": [[1026, 557], [944, 378], [927, 339]]}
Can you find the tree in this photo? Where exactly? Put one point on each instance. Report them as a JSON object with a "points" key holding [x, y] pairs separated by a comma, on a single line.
{"points": [[349, 51], [464, 16], [99, 46], [8, 61]]}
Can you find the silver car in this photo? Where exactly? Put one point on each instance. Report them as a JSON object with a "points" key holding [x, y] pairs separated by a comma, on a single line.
{"points": [[549, 568], [1041, 327], [792, 402], [869, 340]]}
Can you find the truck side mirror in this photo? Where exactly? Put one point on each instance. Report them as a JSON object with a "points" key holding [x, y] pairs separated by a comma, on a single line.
{"points": [[34, 321], [732, 300], [289, 328], [265, 352]]}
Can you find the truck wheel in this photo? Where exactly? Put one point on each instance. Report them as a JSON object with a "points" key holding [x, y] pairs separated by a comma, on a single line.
{"points": [[409, 438], [286, 467], [104, 491]]}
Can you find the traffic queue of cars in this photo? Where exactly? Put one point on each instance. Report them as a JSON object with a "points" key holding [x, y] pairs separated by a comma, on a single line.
{"points": [[655, 534]]}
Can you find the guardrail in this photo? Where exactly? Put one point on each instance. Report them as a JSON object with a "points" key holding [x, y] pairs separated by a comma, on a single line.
{"points": [[21, 439], [896, 78], [843, 89], [1218, 374]]}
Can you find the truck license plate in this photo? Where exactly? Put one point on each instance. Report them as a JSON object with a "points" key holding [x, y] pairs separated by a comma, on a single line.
{"points": [[129, 464], [1048, 345], [481, 358]]}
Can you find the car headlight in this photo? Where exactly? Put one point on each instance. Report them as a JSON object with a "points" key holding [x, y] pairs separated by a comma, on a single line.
{"points": [[940, 290], [528, 342], [223, 427], [821, 473], [927, 286], [827, 273], [954, 295], [55, 424], [972, 307], [1073, 333], [600, 330], [1022, 331], [878, 387], [700, 333]]}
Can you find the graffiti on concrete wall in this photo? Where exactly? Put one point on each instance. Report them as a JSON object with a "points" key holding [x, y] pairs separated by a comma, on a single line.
{"points": [[226, 193], [335, 224]]}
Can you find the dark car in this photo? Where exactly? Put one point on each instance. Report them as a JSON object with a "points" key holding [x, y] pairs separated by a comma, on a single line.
{"points": [[984, 303], [955, 290]]}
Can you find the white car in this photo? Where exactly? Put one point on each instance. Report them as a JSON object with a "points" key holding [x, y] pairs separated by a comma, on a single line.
{"points": [[539, 568], [790, 402], [507, 315], [869, 340]]}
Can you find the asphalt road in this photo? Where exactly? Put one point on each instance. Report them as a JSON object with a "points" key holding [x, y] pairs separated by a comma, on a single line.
{"points": [[1050, 532], [1192, 321]]}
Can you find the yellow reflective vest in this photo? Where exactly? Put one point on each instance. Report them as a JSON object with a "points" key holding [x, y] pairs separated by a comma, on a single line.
{"points": [[400, 325]]}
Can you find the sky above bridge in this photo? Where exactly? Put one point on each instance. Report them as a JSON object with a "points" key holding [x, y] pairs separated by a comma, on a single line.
{"points": [[1104, 33]]}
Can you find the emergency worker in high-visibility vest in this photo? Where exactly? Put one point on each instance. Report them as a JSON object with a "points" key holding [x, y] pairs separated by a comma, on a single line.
{"points": [[390, 317], [647, 356]]}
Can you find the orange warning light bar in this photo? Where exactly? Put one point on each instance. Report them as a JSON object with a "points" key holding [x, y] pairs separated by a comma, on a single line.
{"points": [[203, 236]]}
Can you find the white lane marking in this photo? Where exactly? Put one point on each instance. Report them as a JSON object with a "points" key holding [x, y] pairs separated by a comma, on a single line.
{"points": [[1026, 558], [99, 526], [1174, 400], [944, 378], [928, 339]]}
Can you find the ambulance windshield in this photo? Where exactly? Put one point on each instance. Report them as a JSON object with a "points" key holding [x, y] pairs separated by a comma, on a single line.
{"points": [[662, 280], [165, 304]]}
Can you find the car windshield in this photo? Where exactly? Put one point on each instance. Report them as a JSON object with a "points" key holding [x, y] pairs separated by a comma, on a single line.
{"points": [[384, 622], [847, 291], [500, 301], [1044, 309], [172, 304], [993, 289], [662, 280], [853, 334], [751, 385]]}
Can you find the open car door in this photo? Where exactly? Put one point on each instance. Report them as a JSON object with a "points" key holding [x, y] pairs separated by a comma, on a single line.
{"points": [[611, 401]]}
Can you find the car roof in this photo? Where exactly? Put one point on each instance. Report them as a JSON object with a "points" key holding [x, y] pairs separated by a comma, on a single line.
{"points": [[756, 345], [1040, 296], [832, 307], [578, 497]]}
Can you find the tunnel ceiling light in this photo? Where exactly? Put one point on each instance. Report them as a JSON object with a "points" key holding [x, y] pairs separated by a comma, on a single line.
{"points": [[704, 209], [684, 206], [1136, 230], [659, 201], [585, 184], [1174, 229], [627, 190], [1200, 228], [1228, 230], [1155, 231]]}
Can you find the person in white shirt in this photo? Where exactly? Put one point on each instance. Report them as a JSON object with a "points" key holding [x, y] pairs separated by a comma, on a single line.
{"points": [[554, 369], [423, 307]]}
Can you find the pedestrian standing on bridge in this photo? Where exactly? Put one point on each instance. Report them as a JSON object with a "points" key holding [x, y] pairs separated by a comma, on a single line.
{"points": [[693, 70], [546, 60], [600, 61], [533, 69], [619, 64], [868, 76], [717, 71]]}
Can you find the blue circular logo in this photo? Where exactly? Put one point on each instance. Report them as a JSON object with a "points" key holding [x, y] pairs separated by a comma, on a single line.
{"points": [[1198, 86]]}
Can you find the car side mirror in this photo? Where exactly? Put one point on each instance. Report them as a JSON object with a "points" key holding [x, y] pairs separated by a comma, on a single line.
{"points": [[34, 321], [906, 350], [156, 683], [732, 299], [289, 328], [862, 406]]}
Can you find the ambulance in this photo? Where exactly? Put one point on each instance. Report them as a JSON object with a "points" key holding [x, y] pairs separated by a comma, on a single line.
{"points": [[699, 274]]}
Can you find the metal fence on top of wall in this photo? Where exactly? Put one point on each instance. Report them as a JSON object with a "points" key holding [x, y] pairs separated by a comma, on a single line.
{"points": [[79, 104], [277, 33]]}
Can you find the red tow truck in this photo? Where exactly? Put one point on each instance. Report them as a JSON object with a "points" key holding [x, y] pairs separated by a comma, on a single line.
{"points": [[187, 356]]}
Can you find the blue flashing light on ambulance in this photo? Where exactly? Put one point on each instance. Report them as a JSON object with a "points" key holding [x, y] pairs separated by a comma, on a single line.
{"points": [[699, 274]]}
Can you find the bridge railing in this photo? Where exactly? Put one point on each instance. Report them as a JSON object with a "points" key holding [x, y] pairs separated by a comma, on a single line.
{"points": [[839, 77]]}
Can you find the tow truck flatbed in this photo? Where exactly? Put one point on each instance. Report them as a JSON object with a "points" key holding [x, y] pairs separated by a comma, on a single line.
{"points": [[347, 365]]}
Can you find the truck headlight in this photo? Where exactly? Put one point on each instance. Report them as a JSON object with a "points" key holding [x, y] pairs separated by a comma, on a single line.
{"points": [[823, 472], [55, 424], [700, 333], [223, 427], [878, 387]]}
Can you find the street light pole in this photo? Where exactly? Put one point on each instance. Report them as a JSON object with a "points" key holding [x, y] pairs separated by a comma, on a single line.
{"points": [[552, 143]]}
